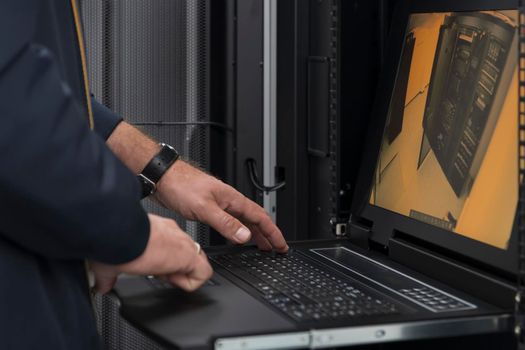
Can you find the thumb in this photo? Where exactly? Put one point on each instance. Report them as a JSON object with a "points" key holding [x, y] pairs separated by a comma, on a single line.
{"points": [[105, 276], [225, 224], [104, 284]]}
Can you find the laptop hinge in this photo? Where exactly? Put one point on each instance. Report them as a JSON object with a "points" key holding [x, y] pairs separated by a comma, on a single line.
{"points": [[355, 230], [356, 224]]}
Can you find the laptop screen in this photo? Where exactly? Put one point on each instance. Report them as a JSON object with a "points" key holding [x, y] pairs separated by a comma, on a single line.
{"points": [[449, 150]]}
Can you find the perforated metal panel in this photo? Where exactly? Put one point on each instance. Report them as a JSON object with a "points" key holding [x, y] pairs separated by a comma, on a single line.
{"points": [[148, 60], [116, 332]]}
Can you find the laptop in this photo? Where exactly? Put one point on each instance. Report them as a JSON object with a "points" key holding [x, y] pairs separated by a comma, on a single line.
{"points": [[436, 202]]}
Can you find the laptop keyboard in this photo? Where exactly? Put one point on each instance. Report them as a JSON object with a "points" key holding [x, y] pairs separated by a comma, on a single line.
{"points": [[301, 290]]}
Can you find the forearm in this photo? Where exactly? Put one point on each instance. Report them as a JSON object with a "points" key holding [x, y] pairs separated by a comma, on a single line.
{"points": [[135, 149], [132, 146]]}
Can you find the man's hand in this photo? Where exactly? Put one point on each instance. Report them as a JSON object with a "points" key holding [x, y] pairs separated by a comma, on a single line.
{"points": [[170, 253], [199, 196]]}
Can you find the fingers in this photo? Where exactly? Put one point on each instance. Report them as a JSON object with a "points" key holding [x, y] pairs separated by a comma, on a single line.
{"points": [[169, 251], [260, 240], [266, 234], [257, 218], [104, 284], [225, 224], [182, 281], [194, 279], [105, 276], [198, 196]]}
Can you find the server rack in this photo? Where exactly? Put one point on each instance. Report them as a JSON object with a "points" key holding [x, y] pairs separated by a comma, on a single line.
{"points": [[458, 133], [330, 56]]}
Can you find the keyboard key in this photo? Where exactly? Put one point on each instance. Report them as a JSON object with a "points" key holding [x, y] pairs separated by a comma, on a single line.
{"points": [[434, 300]]}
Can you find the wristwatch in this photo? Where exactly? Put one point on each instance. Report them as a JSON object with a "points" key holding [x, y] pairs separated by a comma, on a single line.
{"points": [[155, 169]]}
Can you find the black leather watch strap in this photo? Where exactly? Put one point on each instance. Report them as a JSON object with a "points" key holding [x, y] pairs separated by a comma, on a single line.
{"points": [[156, 168]]}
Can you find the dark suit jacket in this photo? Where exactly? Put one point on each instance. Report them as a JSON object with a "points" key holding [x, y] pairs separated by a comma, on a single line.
{"points": [[64, 197]]}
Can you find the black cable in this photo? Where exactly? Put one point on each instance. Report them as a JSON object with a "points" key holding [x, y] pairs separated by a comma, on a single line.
{"points": [[254, 178]]}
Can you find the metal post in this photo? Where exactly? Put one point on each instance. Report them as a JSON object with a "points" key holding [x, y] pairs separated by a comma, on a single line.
{"points": [[270, 103]]}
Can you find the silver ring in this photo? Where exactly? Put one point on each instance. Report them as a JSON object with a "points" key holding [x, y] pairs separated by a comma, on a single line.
{"points": [[199, 249]]}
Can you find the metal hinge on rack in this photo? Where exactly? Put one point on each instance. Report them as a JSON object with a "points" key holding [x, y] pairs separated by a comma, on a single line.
{"points": [[520, 292]]}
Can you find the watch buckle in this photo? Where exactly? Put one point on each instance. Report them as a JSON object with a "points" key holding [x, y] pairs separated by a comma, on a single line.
{"points": [[147, 180]]}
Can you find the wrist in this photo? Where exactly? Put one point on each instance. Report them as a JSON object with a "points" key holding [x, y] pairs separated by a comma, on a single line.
{"points": [[157, 167], [172, 175], [132, 147]]}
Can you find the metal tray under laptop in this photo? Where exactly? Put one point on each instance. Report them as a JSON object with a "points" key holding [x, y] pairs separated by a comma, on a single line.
{"points": [[229, 314]]}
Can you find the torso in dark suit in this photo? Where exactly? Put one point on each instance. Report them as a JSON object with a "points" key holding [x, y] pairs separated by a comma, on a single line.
{"points": [[64, 197]]}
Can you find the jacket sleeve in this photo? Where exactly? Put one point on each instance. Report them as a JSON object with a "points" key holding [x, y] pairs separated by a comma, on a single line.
{"points": [[63, 194], [105, 119]]}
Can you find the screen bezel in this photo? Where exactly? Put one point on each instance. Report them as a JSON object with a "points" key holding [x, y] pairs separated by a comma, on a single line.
{"points": [[385, 222]]}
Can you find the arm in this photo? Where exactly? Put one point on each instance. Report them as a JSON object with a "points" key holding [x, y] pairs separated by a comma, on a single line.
{"points": [[64, 194], [187, 269], [130, 145], [198, 196]]}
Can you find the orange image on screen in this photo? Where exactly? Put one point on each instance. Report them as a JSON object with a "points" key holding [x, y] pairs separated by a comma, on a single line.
{"points": [[449, 151]]}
